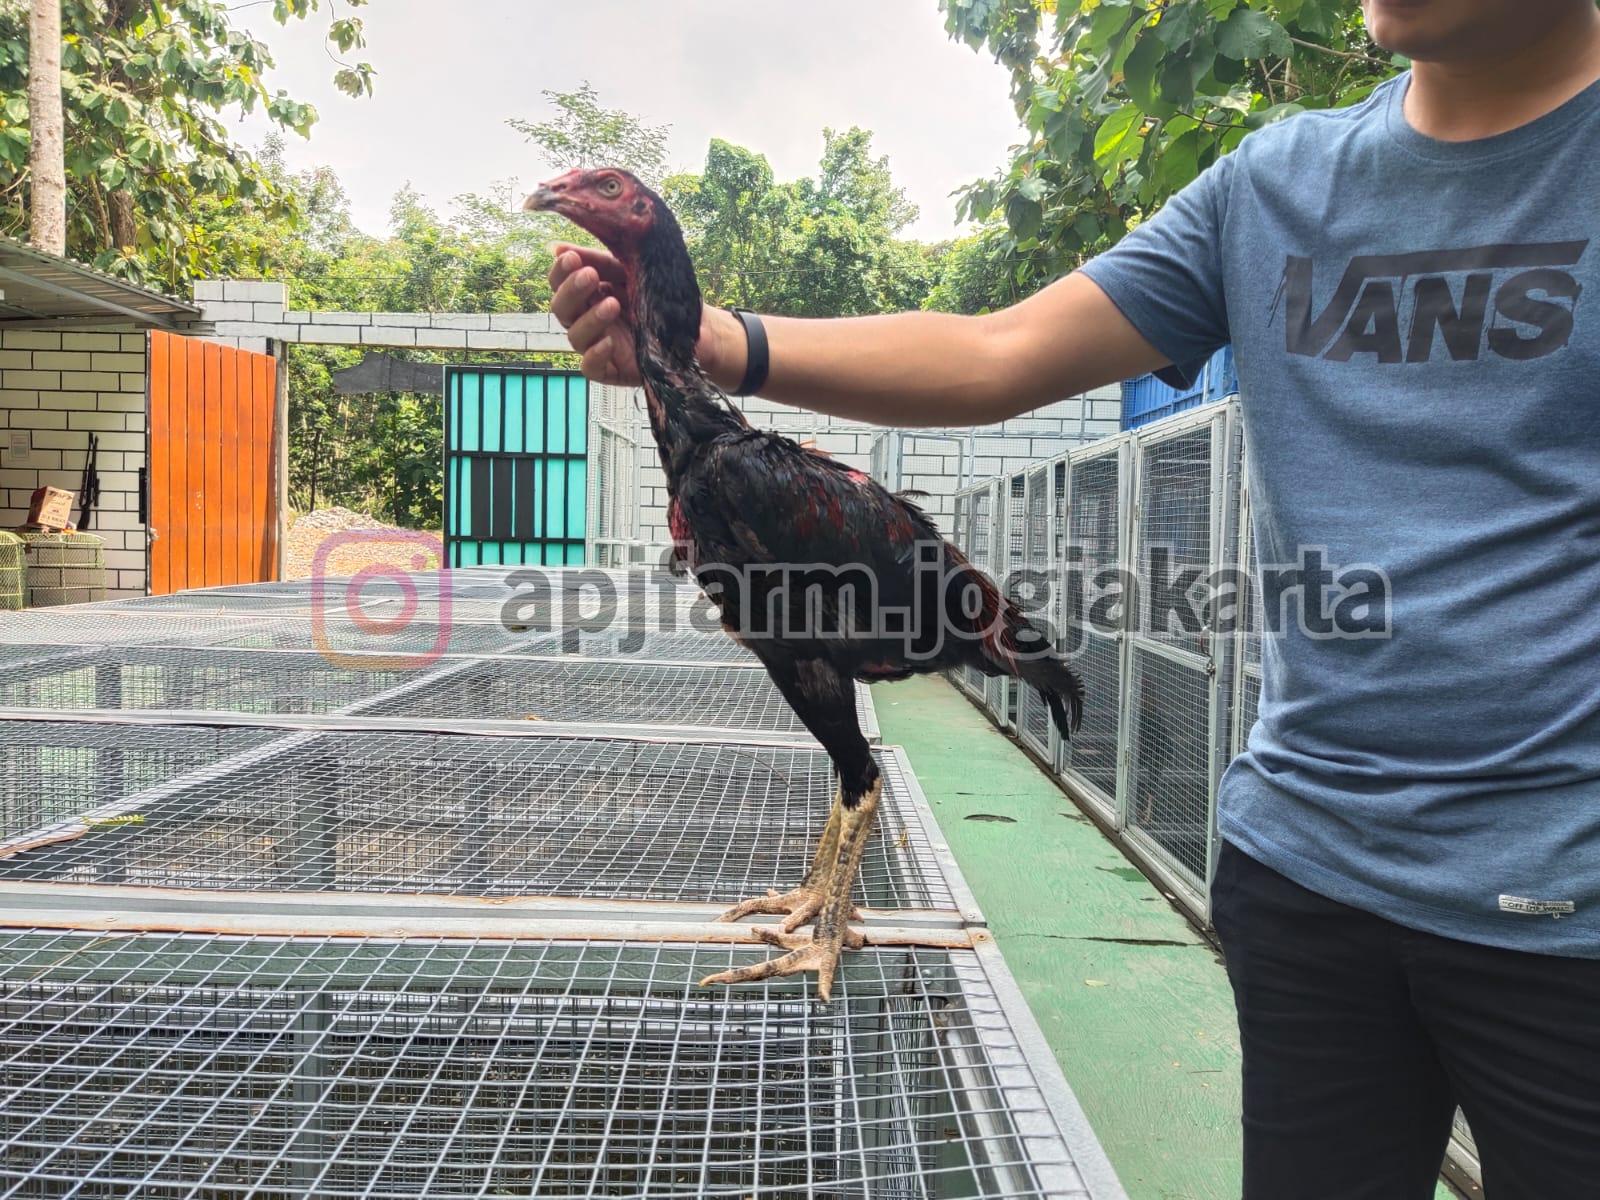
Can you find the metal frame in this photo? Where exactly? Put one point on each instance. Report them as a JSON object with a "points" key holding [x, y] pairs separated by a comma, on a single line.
{"points": [[1000, 692], [1034, 727], [1107, 805], [1146, 648], [980, 544]]}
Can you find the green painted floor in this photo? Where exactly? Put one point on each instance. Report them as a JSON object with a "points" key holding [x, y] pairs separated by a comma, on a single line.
{"points": [[1132, 999]]}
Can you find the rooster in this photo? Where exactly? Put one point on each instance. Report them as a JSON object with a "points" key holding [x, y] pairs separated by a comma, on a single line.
{"points": [[807, 559]]}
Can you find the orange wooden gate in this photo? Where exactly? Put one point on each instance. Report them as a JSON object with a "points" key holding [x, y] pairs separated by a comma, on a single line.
{"points": [[210, 503]]}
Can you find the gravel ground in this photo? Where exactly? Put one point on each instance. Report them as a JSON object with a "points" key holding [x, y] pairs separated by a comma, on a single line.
{"points": [[337, 541]]}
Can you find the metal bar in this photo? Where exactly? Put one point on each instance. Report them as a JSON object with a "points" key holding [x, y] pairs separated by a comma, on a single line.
{"points": [[1093, 1169], [270, 924]]}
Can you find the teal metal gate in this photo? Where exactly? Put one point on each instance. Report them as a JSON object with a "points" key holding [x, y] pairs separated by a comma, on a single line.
{"points": [[516, 466]]}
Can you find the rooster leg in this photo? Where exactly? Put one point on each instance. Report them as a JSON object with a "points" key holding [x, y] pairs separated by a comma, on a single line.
{"points": [[820, 952], [804, 902]]}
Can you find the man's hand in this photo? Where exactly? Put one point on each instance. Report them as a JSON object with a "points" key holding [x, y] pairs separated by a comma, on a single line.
{"points": [[588, 287]]}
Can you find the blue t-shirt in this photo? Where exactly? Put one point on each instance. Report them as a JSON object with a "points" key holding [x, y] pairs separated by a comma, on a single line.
{"points": [[1420, 387]]}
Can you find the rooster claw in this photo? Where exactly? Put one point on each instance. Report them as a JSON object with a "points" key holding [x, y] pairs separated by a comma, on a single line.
{"points": [[802, 906], [784, 940], [805, 954]]}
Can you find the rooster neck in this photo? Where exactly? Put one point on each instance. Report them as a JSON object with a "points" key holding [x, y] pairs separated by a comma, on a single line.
{"points": [[664, 305]]}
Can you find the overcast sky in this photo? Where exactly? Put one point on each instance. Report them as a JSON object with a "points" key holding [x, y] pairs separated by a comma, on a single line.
{"points": [[764, 74]]}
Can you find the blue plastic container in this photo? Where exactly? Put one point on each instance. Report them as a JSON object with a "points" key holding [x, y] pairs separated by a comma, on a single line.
{"points": [[1146, 398]]}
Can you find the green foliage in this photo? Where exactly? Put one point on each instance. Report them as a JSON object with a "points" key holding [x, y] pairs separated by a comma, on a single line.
{"points": [[145, 86], [973, 276], [822, 246], [1124, 102], [584, 133]]}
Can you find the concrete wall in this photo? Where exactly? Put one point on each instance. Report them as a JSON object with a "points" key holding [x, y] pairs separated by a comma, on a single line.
{"points": [[246, 313], [56, 387]]}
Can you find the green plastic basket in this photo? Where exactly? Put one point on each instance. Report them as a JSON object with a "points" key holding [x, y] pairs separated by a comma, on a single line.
{"points": [[12, 570], [64, 568]]}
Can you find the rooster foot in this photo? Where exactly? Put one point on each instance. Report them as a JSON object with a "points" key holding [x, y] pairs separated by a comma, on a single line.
{"points": [[824, 899], [802, 906], [819, 954]]}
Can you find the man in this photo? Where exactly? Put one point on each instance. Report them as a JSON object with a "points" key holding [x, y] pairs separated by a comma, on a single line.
{"points": [[1409, 893]]}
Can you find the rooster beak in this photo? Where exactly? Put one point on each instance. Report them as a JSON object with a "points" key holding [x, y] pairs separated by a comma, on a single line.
{"points": [[542, 199]]}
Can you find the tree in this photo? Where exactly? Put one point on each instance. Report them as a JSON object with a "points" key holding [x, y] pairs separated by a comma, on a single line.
{"points": [[46, 158], [1125, 101], [972, 275], [735, 215], [144, 84], [583, 133], [823, 246]]}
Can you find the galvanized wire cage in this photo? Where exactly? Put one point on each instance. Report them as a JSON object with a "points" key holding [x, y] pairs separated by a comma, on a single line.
{"points": [[1168, 699], [1094, 535], [1000, 692], [155, 1065], [980, 546], [1034, 726], [1174, 703], [275, 924]]}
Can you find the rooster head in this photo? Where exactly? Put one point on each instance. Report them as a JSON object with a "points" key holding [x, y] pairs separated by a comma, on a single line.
{"points": [[662, 296], [607, 201]]}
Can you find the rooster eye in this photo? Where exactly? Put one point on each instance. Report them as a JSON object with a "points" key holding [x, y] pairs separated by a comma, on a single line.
{"points": [[610, 186]]}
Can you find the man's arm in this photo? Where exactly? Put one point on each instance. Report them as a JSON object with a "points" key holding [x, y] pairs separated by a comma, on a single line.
{"points": [[922, 368]]}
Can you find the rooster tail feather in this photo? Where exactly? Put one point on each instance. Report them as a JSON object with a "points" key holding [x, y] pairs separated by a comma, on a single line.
{"points": [[1062, 691], [1009, 644]]}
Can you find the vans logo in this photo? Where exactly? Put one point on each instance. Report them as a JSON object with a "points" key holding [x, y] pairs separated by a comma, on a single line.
{"points": [[1517, 301]]}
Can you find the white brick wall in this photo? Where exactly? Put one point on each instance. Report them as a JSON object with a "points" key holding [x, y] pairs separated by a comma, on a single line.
{"points": [[56, 387], [246, 313]]}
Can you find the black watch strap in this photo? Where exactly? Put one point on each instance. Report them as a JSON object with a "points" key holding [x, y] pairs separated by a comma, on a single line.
{"points": [[758, 358]]}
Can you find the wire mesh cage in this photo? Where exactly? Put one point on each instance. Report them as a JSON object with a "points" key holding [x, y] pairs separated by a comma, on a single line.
{"points": [[501, 688], [982, 503], [1000, 692], [13, 571], [1034, 727], [614, 446], [286, 943], [145, 677], [1095, 539], [1173, 707], [437, 814], [54, 773], [160, 1066], [64, 568]]}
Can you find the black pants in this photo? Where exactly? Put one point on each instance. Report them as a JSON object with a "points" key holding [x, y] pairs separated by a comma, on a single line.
{"points": [[1361, 1036]]}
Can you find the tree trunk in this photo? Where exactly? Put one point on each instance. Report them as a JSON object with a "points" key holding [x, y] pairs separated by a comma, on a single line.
{"points": [[46, 151], [124, 228]]}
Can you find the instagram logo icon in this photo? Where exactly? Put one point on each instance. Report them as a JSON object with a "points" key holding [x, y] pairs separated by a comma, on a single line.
{"points": [[372, 607]]}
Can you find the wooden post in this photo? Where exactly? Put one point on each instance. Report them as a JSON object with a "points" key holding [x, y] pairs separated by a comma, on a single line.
{"points": [[47, 228], [280, 462]]}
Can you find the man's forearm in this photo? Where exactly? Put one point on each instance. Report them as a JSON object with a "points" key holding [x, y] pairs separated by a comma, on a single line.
{"points": [[935, 369]]}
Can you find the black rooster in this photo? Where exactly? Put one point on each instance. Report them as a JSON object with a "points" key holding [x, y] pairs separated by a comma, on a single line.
{"points": [[822, 574]]}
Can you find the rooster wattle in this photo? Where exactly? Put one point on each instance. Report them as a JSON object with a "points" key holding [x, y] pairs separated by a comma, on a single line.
{"points": [[806, 557]]}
